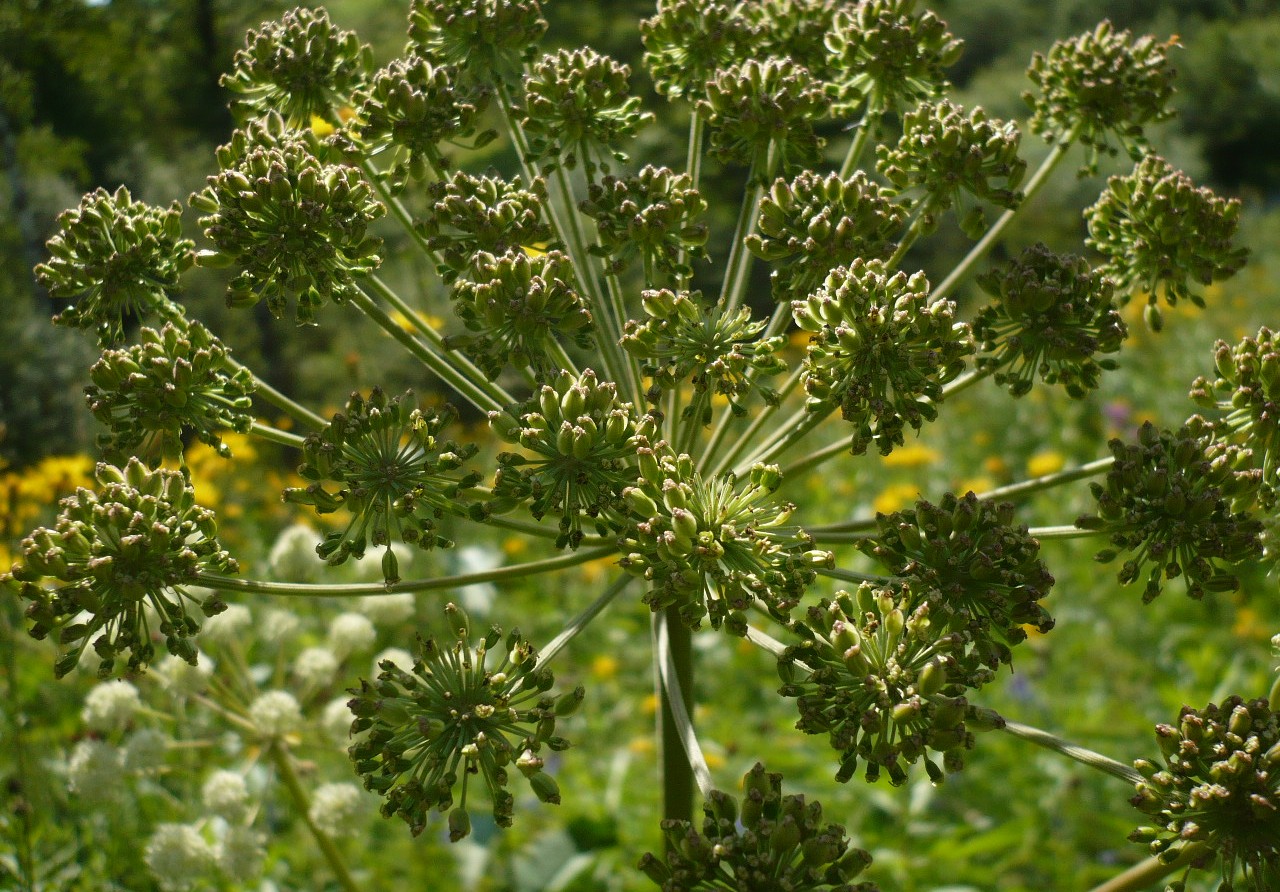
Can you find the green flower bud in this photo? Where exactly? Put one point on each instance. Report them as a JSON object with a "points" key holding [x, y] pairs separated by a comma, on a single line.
{"points": [[1101, 84], [300, 67], [115, 259], [780, 842], [487, 40], [688, 41], [419, 725], [140, 540], [395, 474]]}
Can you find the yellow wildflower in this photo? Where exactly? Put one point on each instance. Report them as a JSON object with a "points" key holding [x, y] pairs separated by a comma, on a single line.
{"points": [[641, 746], [976, 485], [895, 497], [604, 667], [320, 127], [1043, 463], [916, 455]]}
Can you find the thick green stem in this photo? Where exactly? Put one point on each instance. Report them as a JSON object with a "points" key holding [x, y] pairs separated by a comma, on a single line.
{"points": [[479, 397], [268, 393], [274, 435], [582, 620], [992, 236], [360, 590], [1063, 532], [675, 679], [788, 434], [398, 209], [1048, 481], [744, 440], [738, 268], [1146, 874], [815, 458], [284, 767], [693, 166], [851, 576], [859, 143], [1080, 754]]}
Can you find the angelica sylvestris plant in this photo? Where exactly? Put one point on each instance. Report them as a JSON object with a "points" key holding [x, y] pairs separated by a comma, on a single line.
{"points": [[655, 390]]}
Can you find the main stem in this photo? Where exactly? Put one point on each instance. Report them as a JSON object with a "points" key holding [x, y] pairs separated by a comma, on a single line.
{"points": [[280, 758], [677, 773]]}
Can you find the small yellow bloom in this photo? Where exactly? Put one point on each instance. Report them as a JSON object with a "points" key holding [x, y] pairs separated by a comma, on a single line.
{"points": [[641, 746], [514, 545], [649, 705], [320, 127], [982, 438], [995, 466], [604, 667], [895, 497], [917, 455], [976, 485], [1043, 463], [714, 759]]}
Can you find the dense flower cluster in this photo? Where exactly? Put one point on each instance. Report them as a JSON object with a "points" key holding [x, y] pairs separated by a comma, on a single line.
{"points": [[1170, 502], [466, 708], [296, 227], [812, 224], [654, 214], [769, 842], [487, 40], [175, 381], [763, 113], [1099, 85], [516, 303], [945, 153], [121, 560], [409, 108], [1157, 231], [580, 436], [888, 55], [720, 351], [394, 473], [302, 66], [1052, 316], [980, 576], [115, 259], [1219, 787], [710, 548], [1246, 392], [880, 351], [468, 215], [577, 106], [688, 41]]}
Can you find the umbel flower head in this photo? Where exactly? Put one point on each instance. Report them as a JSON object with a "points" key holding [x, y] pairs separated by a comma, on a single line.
{"points": [[177, 380], [410, 108], [578, 457], [654, 214], [710, 548], [1246, 393], [1100, 85], [886, 56], [300, 67], [1169, 502], [1051, 318], [721, 351], [980, 575], [466, 708], [762, 113], [115, 259], [136, 543], [1159, 232], [813, 224], [394, 473], [688, 41], [880, 351], [792, 29], [295, 226], [578, 106], [467, 215], [488, 41], [517, 304], [1219, 787], [945, 153], [769, 842], [876, 675]]}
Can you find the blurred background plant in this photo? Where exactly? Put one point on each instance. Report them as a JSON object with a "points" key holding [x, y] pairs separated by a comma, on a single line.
{"points": [[186, 785]]}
